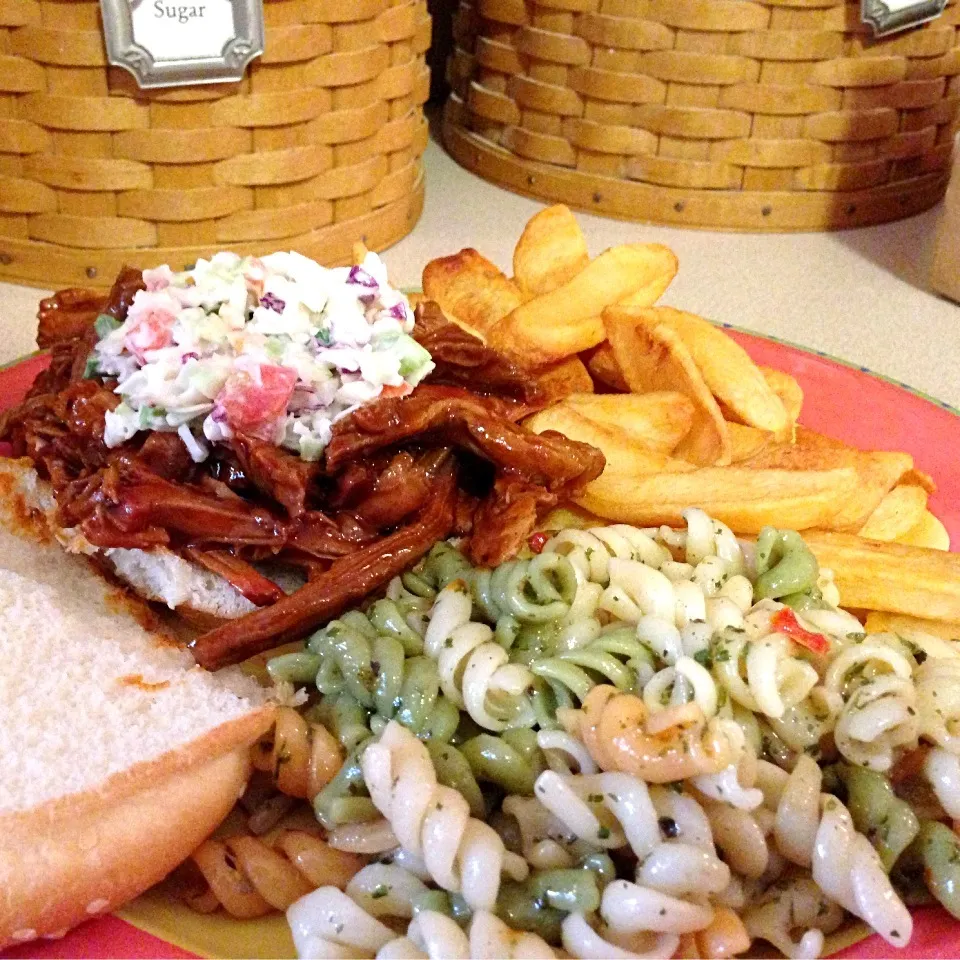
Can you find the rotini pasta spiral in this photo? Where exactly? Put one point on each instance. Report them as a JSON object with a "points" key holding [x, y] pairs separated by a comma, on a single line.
{"points": [[794, 904], [673, 876], [613, 654], [942, 769], [475, 672], [329, 923], [574, 748], [250, 877], [761, 673], [878, 813], [590, 551], [879, 713], [462, 854], [938, 701], [535, 590], [817, 832], [301, 757], [433, 936]]}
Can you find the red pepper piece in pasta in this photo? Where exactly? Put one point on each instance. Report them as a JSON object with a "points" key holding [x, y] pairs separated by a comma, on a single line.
{"points": [[785, 621]]}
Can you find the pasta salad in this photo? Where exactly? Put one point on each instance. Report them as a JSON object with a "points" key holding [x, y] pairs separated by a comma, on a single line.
{"points": [[627, 743]]}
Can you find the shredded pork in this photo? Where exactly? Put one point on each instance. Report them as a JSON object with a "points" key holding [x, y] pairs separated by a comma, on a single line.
{"points": [[399, 474]]}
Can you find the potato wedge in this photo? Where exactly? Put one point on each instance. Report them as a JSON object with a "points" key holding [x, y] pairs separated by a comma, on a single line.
{"points": [[470, 290], [358, 252], [604, 369], [569, 517], [878, 471], [654, 358], [746, 442], [892, 577], [896, 514], [563, 379], [880, 622], [929, 532], [746, 500], [919, 478], [732, 377], [653, 288], [567, 320], [658, 421], [624, 455], [415, 299], [551, 251], [787, 389]]}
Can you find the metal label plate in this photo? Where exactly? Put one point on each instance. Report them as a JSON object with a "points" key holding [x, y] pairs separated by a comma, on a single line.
{"points": [[891, 16], [172, 43]]}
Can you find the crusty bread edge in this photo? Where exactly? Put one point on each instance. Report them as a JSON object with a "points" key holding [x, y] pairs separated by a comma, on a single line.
{"points": [[56, 872], [31, 521], [79, 856], [239, 732]]}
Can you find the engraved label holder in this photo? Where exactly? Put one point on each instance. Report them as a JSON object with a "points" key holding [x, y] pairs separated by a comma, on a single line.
{"points": [[892, 16], [172, 43]]}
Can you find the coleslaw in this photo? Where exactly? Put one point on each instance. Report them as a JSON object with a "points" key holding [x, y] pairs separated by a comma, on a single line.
{"points": [[276, 347]]}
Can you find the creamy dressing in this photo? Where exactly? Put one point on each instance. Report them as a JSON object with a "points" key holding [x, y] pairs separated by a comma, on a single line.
{"points": [[277, 347]]}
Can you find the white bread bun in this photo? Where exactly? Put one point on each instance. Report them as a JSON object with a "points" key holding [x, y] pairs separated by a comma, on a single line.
{"points": [[159, 575], [119, 755]]}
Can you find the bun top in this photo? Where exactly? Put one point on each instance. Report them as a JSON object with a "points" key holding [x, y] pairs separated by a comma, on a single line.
{"points": [[87, 696]]}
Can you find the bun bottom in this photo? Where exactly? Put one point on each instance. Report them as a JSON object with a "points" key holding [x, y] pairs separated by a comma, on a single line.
{"points": [[58, 869]]}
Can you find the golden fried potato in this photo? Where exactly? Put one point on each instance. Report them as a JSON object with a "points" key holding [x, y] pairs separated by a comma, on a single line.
{"points": [[470, 290], [896, 514], [624, 455], [918, 478], [746, 500], [787, 389], [358, 252], [732, 377], [892, 577], [415, 299], [653, 358], [550, 252], [658, 421], [567, 320], [605, 370], [569, 518], [563, 379], [746, 442], [880, 622], [929, 532], [878, 471]]}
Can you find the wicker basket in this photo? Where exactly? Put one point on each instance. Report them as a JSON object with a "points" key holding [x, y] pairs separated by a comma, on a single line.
{"points": [[764, 115], [317, 147]]}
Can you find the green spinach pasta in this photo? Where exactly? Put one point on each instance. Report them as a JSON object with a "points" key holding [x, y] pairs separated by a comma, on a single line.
{"points": [[633, 743]]}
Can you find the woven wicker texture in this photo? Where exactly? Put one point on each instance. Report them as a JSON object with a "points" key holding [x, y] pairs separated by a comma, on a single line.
{"points": [[317, 147], [742, 114]]}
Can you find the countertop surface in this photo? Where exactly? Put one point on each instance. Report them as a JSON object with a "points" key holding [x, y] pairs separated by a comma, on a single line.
{"points": [[859, 295]]}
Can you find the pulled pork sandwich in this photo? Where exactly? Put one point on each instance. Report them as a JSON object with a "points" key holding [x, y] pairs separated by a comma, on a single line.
{"points": [[260, 443]]}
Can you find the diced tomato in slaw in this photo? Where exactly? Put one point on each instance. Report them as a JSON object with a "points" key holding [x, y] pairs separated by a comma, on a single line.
{"points": [[248, 401]]}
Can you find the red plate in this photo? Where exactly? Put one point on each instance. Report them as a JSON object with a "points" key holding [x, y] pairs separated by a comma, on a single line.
{"points": [[840, 400]]}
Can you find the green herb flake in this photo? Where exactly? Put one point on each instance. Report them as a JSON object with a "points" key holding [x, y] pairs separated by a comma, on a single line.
{"points": [[704, 658]]}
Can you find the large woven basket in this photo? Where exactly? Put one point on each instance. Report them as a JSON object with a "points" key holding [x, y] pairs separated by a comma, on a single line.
{"points": [[764, 115], [317, 147]]}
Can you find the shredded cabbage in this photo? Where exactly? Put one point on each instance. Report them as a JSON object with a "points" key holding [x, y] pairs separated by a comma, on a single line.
{"points": [[278, 347]]}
